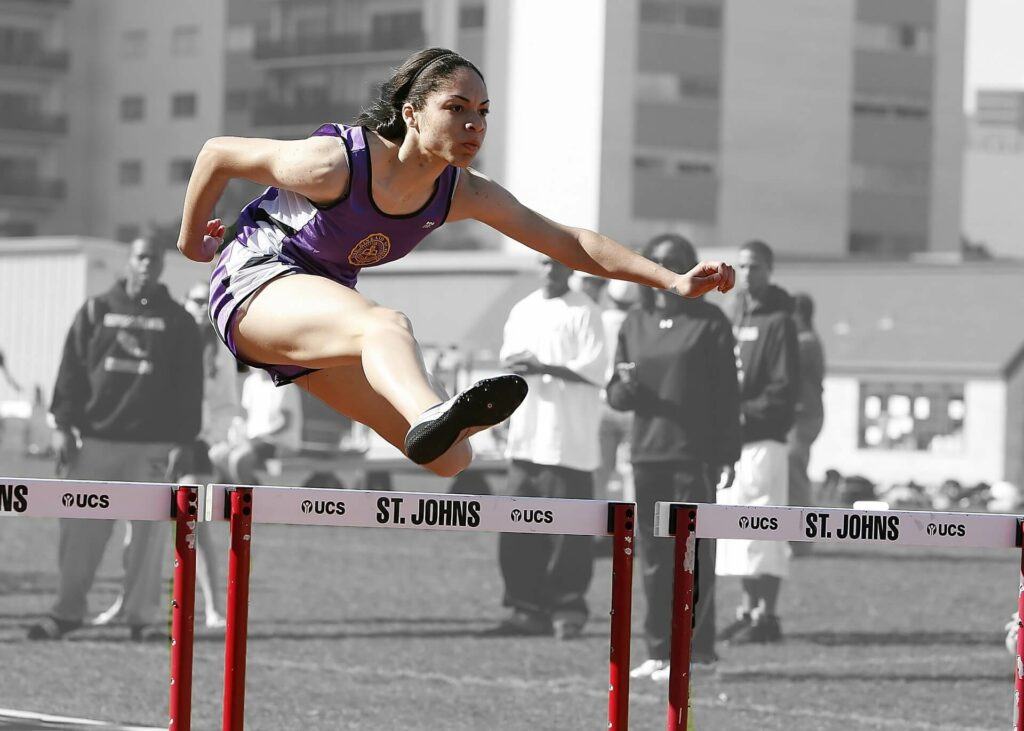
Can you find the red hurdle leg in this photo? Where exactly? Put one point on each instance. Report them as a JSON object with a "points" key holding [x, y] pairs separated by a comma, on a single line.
{"points": [[1018, 686], [183, 607], [685, 519], [621, 518], [237, 609]]}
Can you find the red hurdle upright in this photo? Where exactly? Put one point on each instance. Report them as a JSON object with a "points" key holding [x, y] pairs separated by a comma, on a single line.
{"points": [[684, 525], [237, 608], [621, 520], [1018, 685], [185, 511]]}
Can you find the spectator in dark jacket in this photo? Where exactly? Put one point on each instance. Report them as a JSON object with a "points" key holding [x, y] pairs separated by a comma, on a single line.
{"points": [[675, 369], [127, 406], [767, 359]]}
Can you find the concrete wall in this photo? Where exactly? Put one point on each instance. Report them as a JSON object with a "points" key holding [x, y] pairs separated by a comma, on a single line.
{"points": [[992, 210], [985, 439]]}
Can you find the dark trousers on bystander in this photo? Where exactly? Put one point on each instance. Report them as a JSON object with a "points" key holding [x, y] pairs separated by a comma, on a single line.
{"points": [[547, 574], [673, 481]]}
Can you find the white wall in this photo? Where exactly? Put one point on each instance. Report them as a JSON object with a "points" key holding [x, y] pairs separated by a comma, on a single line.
{"points": [[983, 458], [992, 210], [555, 108]]}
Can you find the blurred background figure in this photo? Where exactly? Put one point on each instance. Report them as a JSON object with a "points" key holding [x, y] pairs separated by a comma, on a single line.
{"points": [[675, 370], [272, 428], [767, 360], [221, 406], [810, 410], [614, 477], [7, 374], [128, 407], [554, 339]]}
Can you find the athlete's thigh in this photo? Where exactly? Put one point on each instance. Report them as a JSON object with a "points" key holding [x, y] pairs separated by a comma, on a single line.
{"points": [[302, 319]]}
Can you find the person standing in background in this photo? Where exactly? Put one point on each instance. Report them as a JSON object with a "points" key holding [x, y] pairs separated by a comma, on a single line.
{"points": [[767, 360], [675, 370], [810, 410], [130, 388], [554, 339], [615, 427]]}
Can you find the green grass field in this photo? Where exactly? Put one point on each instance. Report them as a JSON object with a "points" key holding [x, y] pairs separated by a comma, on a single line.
{"points": [[373, 629]]}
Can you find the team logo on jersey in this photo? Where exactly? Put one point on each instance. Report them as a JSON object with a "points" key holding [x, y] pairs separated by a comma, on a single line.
{"points": [[374, 248]]}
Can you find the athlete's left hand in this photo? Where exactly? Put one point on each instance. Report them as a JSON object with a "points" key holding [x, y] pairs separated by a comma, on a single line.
{"points": [[704, 277]]}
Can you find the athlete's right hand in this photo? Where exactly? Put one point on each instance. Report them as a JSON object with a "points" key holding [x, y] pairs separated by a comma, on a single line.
{"points": [[212, 239]]}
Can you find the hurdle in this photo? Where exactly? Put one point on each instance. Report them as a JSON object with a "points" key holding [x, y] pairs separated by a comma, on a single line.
{"points": [[244, 505], [687, 522], [35, 498]]}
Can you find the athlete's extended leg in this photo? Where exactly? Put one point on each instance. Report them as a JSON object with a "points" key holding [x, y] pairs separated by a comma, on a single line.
{"points": [[346, 389], [312, 321]]}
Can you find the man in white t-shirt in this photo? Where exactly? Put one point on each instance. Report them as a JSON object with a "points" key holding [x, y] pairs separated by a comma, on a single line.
{"points": [[273, 426], [553, 338]]}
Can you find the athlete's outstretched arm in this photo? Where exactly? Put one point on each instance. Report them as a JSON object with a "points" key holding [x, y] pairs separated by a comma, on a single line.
{"points": [[484, 200], [316, 167]]}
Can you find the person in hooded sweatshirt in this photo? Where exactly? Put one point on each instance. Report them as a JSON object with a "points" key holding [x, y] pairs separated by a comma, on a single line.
{"points": [[767, 359], [128, 407]]}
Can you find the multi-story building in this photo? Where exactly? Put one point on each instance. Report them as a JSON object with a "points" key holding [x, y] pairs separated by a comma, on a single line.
{"points": [[34, 87], [826, 129]]}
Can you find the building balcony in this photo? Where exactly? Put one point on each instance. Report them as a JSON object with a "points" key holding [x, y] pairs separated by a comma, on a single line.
{"points": [[38, 122], [307, 115], [37, 58], [336, 44]]}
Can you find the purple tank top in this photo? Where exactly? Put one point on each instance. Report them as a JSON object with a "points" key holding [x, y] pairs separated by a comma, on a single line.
{"points": [[339, 239]]}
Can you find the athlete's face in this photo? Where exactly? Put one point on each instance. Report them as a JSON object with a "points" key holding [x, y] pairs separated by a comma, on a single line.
{"points": [[453, 121]]}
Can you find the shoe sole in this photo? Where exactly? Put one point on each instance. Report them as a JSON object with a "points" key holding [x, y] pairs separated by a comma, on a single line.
{"points": [[484, 404]]}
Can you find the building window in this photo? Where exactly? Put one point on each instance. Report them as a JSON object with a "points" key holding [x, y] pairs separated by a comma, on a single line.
{"points": [[915, 417], [185, 40], [674, 164], [133, 43], [471, 17], [133, 108], [128, 232], [669, 87], [181, 169], [241, 38], [896, 107], [129, 172], [890, 177], [183, 105], [237, 100], [397, 30], [894, 37], [681, 14], [885, 245]]}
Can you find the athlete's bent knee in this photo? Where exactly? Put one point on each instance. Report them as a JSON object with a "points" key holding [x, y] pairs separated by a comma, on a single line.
{"points": [[382, 318]]}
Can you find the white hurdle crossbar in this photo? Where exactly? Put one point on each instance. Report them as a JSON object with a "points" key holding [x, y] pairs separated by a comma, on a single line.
{"points": [[687, 522], [245, 505], [85, 499]]}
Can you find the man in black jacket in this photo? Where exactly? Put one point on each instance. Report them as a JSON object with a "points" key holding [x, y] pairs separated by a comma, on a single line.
{"points": [[675, 370], [768, 362], [128, 406]]}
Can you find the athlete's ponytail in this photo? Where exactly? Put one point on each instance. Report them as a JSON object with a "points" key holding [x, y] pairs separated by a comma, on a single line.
{"points": [[412, 83]]}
